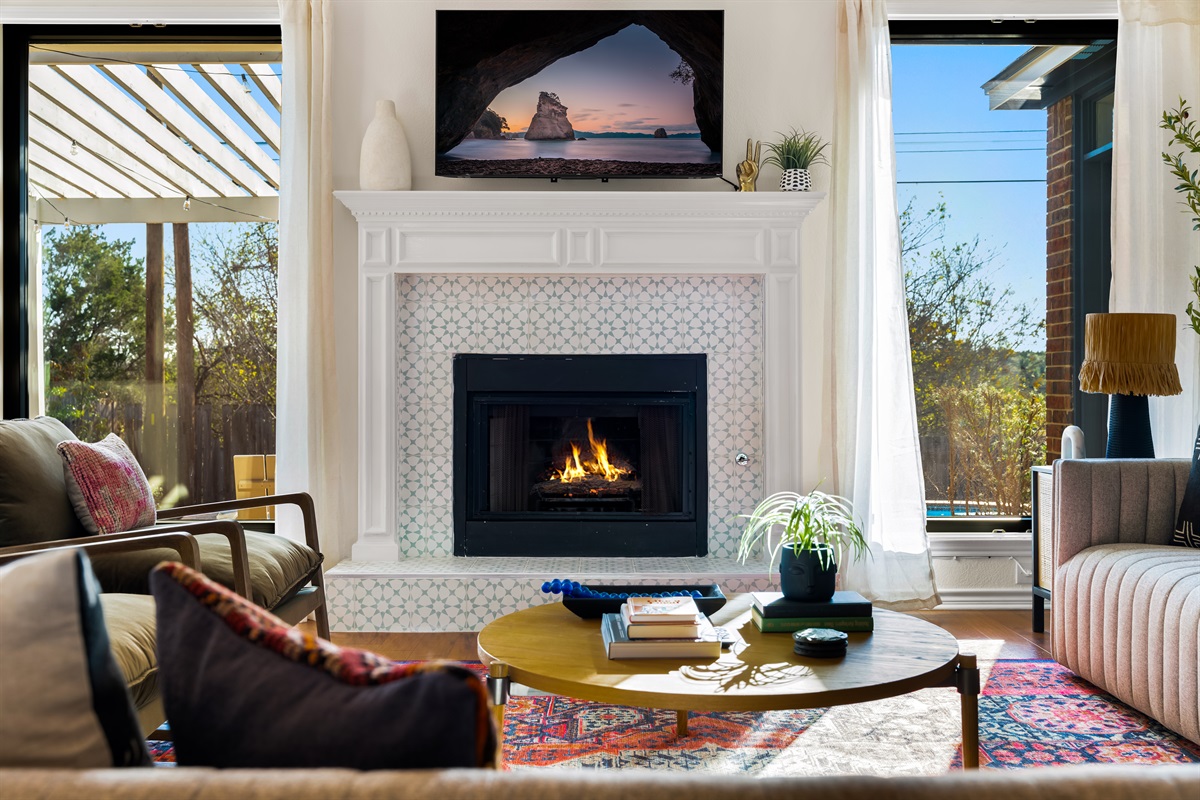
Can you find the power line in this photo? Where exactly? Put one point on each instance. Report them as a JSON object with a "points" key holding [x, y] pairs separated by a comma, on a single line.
{"points": [[911, 143], [978, 150], [1006, 180], [956, 133]]}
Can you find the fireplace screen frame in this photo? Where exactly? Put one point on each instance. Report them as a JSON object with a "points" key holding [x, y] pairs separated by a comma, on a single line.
{"points": [[482, 380]]}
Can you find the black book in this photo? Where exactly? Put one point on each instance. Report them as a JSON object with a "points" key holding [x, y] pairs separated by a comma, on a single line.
{"points": [[842, 604]]}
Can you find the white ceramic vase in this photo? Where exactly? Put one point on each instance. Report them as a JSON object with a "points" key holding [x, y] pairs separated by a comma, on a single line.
{"points": [[385, 164]]}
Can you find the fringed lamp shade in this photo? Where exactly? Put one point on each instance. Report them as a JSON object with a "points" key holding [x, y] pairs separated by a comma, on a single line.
{"points": [[1130, 356]]}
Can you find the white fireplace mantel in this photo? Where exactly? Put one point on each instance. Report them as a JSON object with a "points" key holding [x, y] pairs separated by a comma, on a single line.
{"points": [[567, 233]]}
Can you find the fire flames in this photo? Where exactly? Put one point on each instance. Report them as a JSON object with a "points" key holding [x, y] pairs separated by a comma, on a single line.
{"points": [[574, 469]]}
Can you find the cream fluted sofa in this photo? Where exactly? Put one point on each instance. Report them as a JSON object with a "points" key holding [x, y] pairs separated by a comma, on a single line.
{"points": [[1126, 603], [1105, 782]]}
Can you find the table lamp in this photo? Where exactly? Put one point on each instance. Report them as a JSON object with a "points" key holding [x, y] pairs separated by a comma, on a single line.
{"points": [[1130, 357]]}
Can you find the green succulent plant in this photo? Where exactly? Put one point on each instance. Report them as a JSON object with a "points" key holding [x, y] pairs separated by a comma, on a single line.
{"points": [[797, 150]]}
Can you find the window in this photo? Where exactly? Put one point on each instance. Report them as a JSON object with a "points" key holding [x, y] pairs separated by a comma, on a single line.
{"points": [[148, 199], [994, 125]]}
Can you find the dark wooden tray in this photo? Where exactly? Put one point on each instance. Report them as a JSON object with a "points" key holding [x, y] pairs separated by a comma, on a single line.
{"points": [[709, 601]]}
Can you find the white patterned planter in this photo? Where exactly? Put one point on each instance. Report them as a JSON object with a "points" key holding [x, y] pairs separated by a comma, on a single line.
{"points": [[795, 180]]}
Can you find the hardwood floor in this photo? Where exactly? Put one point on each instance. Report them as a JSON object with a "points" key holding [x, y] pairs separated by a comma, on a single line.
{"points": [[1010, 627]]}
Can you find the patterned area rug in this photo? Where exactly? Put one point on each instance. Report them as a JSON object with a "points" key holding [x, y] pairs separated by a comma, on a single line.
{"points": [[1031, 713]]}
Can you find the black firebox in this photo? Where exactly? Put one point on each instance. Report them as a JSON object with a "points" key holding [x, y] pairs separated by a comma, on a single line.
{"points": [[599, 455]]}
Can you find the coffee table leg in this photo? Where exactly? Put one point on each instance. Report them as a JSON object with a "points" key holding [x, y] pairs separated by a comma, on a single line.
{"points": [[967, 680], [681, 723], [498, 685]]}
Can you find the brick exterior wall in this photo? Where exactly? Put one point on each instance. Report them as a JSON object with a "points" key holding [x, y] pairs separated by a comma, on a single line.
{"points": [[1059, 325]]}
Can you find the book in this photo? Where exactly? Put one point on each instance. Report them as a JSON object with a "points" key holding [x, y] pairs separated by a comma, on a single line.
{"points": [[842, 604], [618, 645], [662, 629], [790, 624], [662, 609]]}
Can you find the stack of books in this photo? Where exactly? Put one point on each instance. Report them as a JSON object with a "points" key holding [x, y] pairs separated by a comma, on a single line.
{"points": [[659, 627], [848, 612]]}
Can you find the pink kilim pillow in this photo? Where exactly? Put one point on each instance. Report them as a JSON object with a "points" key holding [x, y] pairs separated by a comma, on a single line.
{"points": [[106, 485]]}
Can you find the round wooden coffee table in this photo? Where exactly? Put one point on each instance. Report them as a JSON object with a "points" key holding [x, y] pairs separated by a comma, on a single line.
{"points": [[550, 649]]}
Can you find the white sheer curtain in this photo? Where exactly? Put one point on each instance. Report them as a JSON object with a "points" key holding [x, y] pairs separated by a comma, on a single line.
{"points": [[877, 456], [1154, 248], [308, 458]]}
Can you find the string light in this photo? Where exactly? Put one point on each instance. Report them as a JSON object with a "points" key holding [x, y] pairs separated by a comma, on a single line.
{"points": [[67, 221], [74, 148], [187, 203], [245, 84]]}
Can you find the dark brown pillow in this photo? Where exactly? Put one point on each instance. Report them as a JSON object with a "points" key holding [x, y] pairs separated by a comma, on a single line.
{"points": [[34, 506], [243, 689]]}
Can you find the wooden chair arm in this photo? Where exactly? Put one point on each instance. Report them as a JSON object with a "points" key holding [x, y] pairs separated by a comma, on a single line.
{"points": [[182, 543], [301, 499], [228, 528]]}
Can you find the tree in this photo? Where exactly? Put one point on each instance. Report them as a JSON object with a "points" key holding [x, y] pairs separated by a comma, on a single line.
{"points": [[94, 302], [236, 312], [94, 295], [683, 73], [976, 391], [964, 328]]}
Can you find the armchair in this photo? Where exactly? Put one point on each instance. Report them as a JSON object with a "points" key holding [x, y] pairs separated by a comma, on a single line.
{"points": [[35, 513], [129, 618]]}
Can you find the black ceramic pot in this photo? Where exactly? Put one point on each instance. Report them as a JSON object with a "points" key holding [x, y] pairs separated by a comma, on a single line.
{"points": [[801, 577]]}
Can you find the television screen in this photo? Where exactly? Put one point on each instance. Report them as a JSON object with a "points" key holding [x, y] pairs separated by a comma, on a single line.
{"points": [[579, 94]]}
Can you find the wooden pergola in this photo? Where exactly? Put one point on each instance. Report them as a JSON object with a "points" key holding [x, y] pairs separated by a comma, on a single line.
{"points": [[120, 136], [153, 134]]}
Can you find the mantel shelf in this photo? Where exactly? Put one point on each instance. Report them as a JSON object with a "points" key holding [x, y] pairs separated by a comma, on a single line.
{"points": [[424, 206]]}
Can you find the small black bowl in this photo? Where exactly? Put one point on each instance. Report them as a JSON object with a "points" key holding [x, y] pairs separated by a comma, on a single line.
{"points": [[709, 601]]}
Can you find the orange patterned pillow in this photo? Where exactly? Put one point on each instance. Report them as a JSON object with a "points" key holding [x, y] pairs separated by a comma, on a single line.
{"points": [[106, 485]]}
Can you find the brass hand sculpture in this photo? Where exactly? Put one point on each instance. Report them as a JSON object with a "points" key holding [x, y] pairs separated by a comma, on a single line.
{"points": [[747, 171]]}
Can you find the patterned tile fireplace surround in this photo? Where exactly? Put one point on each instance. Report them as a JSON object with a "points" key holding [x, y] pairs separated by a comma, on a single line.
{"points": [[565, 273]]}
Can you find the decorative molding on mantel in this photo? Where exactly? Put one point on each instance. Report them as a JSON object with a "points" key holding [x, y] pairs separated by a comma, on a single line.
{"points": [[383, 206], [568, 233]]}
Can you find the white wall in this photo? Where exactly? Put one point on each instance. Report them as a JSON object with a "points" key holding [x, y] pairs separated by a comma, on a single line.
{"points": [[779, 63]]}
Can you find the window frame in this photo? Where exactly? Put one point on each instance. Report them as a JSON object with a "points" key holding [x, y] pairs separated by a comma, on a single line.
{"points": [[15, 322], [1096, 81]]}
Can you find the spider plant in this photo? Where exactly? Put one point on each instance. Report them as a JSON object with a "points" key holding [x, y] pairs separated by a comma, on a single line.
{"points": [[797, 150], [808, 521]]}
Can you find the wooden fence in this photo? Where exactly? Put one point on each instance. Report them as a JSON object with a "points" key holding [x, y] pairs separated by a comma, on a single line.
{"points": [[220, 433]]}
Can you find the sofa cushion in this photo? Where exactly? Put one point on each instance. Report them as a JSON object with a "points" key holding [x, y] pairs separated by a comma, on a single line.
{"points": [[63, 700], [130, 621], [279, 567], [1187, 527], [33, 492], [288, 699], [1127, 618], [106, 485]]}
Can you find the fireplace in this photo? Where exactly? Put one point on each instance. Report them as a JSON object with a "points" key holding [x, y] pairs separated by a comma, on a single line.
{"points": [[588, 455]]}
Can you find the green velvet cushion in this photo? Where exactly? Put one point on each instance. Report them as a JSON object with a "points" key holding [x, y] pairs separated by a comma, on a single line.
{"points": [[130, 621], [34, 506]]}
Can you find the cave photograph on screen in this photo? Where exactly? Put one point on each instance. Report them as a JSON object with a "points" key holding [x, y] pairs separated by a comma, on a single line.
{"points": [[579, 94]]}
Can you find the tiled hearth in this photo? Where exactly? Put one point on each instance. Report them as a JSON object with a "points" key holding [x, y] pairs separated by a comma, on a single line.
{"points": [[577, 273]]}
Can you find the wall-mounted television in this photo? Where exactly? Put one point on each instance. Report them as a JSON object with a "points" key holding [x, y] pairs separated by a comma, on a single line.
{"points": [[579, 94]]}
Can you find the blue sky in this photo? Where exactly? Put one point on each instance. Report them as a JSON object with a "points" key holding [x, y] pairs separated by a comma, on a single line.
{"points": [[938, 105]]}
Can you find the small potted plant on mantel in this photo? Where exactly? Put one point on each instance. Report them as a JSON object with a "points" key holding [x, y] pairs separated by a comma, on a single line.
{"points": [[816, 529], [795, 153]]}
